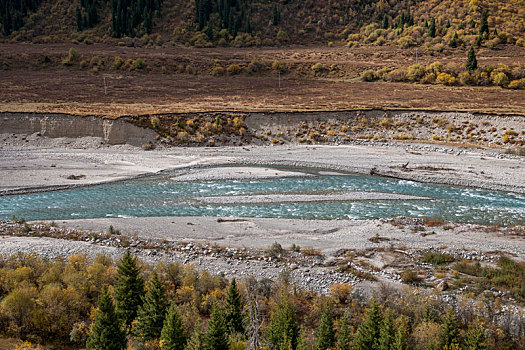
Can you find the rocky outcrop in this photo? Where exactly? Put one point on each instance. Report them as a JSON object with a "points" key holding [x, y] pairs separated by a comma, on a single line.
{"points": [[112, 131]]}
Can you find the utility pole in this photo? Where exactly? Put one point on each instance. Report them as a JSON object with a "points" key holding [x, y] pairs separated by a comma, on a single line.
{"points": [[279, 79], [105, 87]]}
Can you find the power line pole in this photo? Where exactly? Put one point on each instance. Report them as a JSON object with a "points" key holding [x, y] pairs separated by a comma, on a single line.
{"points": [[105, 87]]}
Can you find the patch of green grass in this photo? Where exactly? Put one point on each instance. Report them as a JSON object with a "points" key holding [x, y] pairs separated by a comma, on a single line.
{"points": [[509, 275], [438, 258]]}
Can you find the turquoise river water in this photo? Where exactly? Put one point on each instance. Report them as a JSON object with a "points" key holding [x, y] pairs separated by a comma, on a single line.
{"points": [[160, 196]]}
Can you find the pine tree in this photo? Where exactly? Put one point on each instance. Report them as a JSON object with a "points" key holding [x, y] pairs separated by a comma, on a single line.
{"points": [[344, 336], [197, 340], [233, 310], [479, 40], [454, 41], [367, 337], [276, 15], [152, 312], [92, 15], [325, 332], [79, 19], [430, 314], [172, 335], [401, 340], [216, 335], [475, 338], [432, 28], [449, 330], [387, 334], [386, 23], [107, 332], [302, 344], [484, 25], [283, 326], [472, 62], [129, 288]]}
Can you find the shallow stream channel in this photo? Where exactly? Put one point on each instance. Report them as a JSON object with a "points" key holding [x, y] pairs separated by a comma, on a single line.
{"points": [[272, 192]]}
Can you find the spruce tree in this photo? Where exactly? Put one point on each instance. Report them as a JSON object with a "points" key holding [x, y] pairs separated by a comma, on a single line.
{"points": [[79, 19], [367, 337], [432, 28], [344, 336], [233, 310], [152, 312], [386, 23], [484, 25], [325, 332], [475, 338], [129, 288], [283, 326], [106, 332], [387, 334], [302, 344], [472, 62], [454, 41], [216, 335], [172, 335], [401, 340], [449, 330], [479, 40], [276, 15], [197, 340]]}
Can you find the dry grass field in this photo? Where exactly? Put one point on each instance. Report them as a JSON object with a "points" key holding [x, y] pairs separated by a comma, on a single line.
{"points": [[28, 85]]}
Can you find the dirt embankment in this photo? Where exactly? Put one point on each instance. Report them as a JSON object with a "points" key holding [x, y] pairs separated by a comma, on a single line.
{"points": [[228, 128], [112, 132]]}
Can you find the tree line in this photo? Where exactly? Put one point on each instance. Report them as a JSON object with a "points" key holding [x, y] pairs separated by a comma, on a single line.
{"points": [[232, 15], [12, 13], [86, 14], [103, 305], [128, 17]]}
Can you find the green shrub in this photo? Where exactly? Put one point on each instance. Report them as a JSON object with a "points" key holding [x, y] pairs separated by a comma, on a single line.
{"points": [[318, 67], [139, 64], [368, 75], [282, 36], [410, 276], [397, 75], [406, 42], [72, 57], [278, 66], [466, 78], [233, 69], [218, 71], [381, 73], [415, 72], [254, 66], [429, 78], [500, 79], [117, 63], [435, 67], [155, 122], [274, 250]]}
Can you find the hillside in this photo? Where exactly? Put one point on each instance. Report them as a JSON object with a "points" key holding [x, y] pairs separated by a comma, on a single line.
{"points": [[433, 24]]}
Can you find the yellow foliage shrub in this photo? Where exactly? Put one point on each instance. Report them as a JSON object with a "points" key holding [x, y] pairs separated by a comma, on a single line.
{"points": [[446, 79]]}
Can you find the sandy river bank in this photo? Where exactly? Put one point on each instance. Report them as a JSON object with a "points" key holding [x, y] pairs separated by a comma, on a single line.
{"points": [[26, 169]]}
